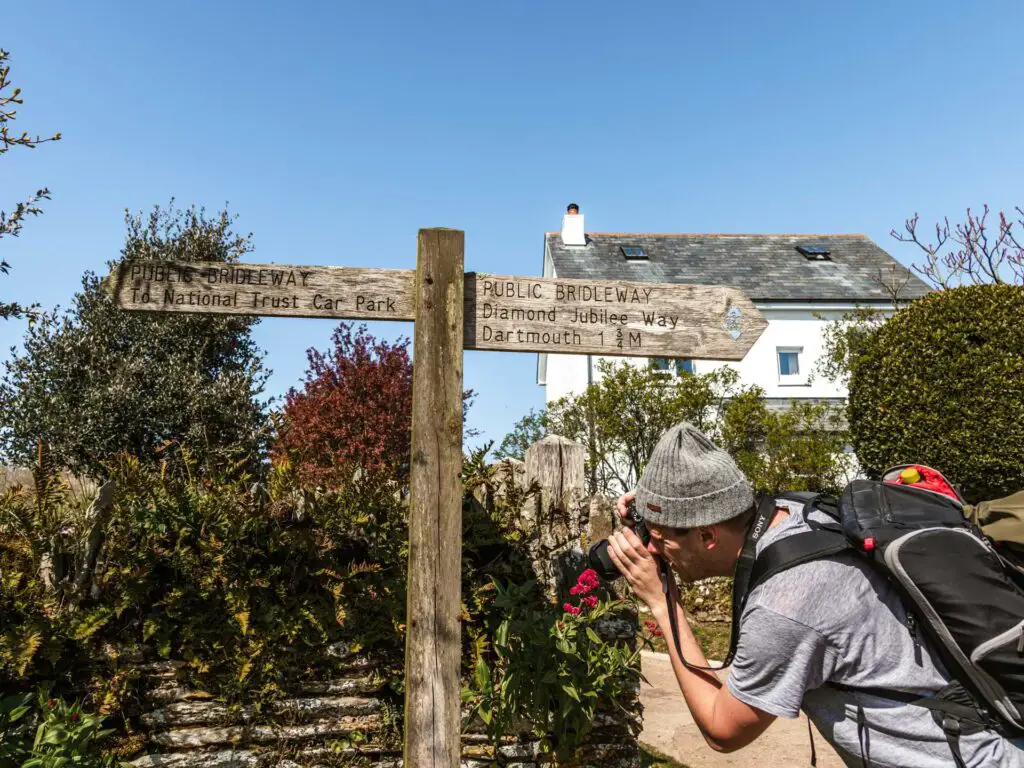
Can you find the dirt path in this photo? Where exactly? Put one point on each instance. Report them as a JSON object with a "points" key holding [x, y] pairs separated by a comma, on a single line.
{"points": [[669, 729]]}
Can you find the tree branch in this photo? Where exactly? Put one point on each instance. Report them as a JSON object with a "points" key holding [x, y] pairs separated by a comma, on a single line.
{"points": [[980, 257]]}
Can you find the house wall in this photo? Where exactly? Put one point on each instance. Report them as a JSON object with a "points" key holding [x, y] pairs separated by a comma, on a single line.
{"points": [[787, 327]]}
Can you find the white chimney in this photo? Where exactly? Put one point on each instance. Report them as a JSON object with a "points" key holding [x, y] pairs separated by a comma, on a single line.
{"points": [[572, 229]]}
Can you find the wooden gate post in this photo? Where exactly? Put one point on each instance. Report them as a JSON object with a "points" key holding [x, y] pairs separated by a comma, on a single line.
{"points": [[433, 642], [554, 517]]}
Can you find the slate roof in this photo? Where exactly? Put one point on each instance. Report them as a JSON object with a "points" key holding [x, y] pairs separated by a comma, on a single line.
{"points": [[765, 267]]}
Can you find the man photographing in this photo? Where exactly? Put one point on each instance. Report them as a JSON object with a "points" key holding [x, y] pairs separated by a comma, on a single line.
{"points": [[809, 636]]}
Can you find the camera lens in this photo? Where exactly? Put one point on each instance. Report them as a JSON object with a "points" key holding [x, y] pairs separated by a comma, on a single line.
{"points": [[598, 557], [599, 560]]}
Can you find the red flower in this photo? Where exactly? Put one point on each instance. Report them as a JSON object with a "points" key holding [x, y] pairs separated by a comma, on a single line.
{"points": [[51, 703], [74, 717], [653, 628], [587, 582], [571, 609], [590, 601]]}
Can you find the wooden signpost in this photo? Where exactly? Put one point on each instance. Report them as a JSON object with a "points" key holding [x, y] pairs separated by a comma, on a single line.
{"points": [[511, 314], [453, 311]]}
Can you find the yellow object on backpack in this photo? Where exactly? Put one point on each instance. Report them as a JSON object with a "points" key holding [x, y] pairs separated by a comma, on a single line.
{"points": [[910, 476]]}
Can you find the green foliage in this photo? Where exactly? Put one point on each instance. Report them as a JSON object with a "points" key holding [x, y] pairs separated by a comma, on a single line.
{"points": [[14, 729], [249, 584], [42, 530], [11, 224], [799, 449], [548, 668], [621, 417], [259, 585], [842, 341], [97, 380], [53, 734], [942, 383]]}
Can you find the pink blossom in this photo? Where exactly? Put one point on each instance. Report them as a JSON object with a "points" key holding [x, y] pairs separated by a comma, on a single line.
{"points": [[571, 609], [590, 601], [587, 582]]}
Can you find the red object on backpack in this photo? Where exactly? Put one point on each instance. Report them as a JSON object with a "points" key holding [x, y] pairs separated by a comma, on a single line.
{"points": [[920, 476]]}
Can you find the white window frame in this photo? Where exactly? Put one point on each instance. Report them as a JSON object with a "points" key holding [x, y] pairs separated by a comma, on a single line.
{"points": [[668, 370], [791, 379], [673, 366]]}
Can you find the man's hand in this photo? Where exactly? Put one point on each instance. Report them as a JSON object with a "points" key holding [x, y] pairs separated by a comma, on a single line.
{"points": [[638, 565], [621, 508]]}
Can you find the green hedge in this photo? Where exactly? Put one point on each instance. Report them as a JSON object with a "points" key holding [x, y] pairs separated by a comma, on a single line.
{"points": [[942, 383]]}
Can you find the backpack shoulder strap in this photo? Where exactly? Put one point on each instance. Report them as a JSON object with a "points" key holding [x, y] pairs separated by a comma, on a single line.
{"points": [[753, 568], [804, 497], [794, 550]]}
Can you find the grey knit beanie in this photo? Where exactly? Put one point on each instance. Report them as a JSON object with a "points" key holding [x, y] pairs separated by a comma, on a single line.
{"points": [[690, 482]]}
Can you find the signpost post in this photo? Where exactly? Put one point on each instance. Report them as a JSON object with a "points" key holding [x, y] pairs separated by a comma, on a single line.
{"points": [[453, 311]]}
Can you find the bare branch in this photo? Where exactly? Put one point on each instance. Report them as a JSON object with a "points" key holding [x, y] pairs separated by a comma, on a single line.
{"points": [[894, 283], [979, 256], [930, 271]]}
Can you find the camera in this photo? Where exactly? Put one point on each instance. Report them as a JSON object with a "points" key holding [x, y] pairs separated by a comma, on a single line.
{"points": [[598, 558]]}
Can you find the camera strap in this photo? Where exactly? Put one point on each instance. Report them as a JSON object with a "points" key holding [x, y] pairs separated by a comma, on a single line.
{"points": [[765, 511]]}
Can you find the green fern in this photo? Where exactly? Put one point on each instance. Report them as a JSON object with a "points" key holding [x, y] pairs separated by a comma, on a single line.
{"points": [[91, 623], [51, 491], [24, 655]]}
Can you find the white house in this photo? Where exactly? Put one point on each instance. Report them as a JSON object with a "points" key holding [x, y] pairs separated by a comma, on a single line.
{"points": [[798, 282]]}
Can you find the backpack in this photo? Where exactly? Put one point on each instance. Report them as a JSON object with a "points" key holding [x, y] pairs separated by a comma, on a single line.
{"points": [[959, 591], [1002, 521]]}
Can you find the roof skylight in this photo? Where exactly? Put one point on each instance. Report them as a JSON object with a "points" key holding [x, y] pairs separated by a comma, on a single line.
{"points": [[815, 252], [634, 253]]}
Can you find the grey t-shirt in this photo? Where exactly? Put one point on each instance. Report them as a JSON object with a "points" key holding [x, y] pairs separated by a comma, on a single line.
{"points": [[837, 620]]}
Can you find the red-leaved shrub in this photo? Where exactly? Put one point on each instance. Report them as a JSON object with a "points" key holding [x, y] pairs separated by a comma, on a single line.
{"points": [[353, 412]]}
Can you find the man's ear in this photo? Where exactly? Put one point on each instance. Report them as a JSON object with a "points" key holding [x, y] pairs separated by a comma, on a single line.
{"points": [[709, 537]]}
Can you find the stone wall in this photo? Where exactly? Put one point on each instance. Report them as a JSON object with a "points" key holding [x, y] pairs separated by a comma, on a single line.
{"points": [[345, 721]]}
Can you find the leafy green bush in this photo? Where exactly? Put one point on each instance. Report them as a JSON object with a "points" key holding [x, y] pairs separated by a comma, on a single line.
{"points": [[247, 583], [96, 381], [53, 734], [942, 383], [799, 449]]}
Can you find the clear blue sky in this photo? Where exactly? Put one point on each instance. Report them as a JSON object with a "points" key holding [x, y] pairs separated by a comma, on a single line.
{"points": [[336, 130]]}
